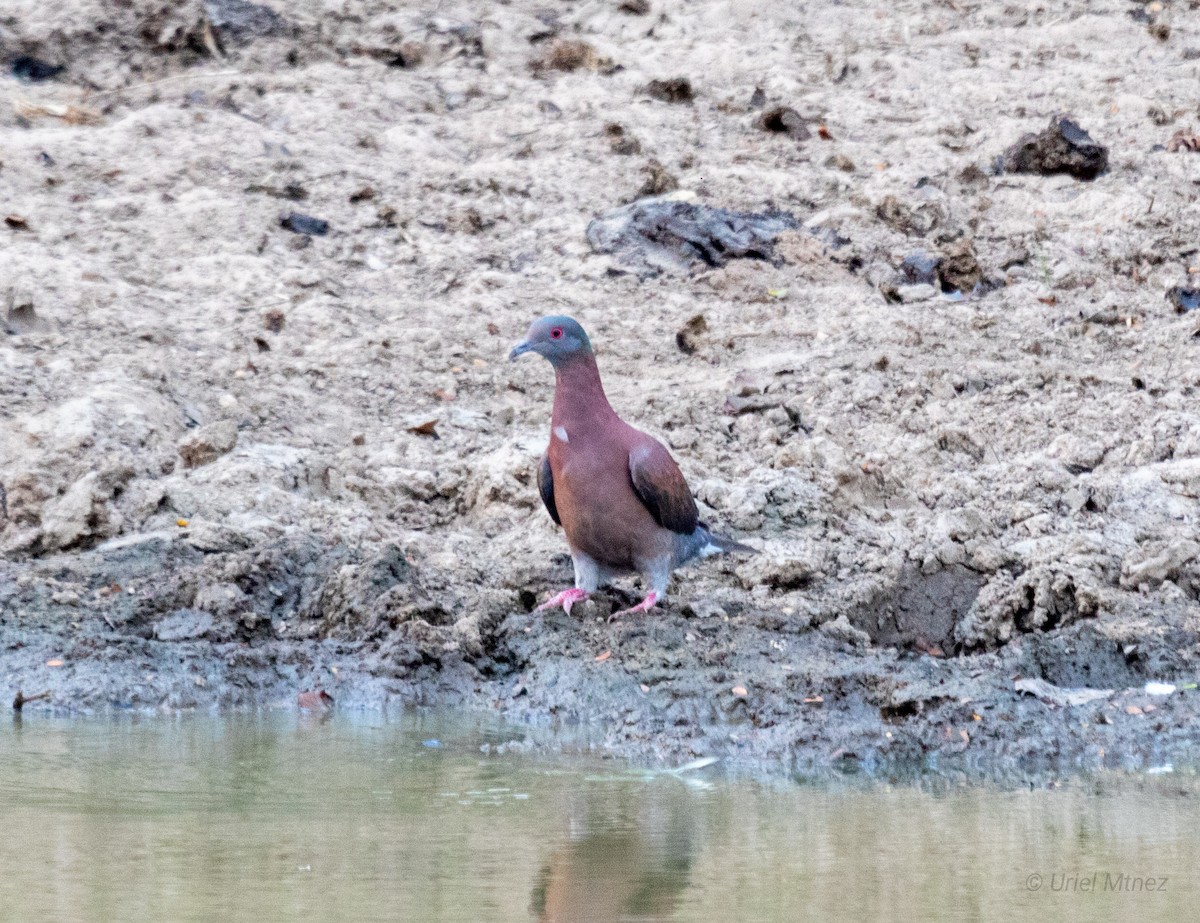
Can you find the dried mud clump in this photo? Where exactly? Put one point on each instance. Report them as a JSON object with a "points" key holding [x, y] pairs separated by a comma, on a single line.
{"points": [[677, 90], [783, 120], [208, 443], [620, 141], [958, 268], [571, 55], [659, 180], [653, 235], [1063, 147]]}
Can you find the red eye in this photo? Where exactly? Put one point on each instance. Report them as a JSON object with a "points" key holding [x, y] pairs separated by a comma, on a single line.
{"points": [[556, 333]]}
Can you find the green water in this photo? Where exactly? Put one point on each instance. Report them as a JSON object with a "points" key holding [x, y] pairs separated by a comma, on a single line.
{"points": [[284, 817]]}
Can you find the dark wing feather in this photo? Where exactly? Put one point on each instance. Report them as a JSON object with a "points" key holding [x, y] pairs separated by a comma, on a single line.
{"points": [[546, 487], [659, 484]]}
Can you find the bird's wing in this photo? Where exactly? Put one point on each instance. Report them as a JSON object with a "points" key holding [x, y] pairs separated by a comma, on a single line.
{"points": [[659, 484], [546, 487]]}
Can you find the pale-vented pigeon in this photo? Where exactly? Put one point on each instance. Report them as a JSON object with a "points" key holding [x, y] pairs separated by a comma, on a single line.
{"points": [[619, 496]]}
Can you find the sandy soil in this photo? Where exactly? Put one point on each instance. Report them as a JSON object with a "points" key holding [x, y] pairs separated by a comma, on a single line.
{"points": [[218, 479]]}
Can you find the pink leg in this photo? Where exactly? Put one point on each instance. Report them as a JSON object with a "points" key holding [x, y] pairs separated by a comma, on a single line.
{"points": [[566, 599], [644, 606]]}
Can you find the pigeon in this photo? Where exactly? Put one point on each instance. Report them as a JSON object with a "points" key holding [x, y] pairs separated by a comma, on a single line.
{"points": [[617, 492]]}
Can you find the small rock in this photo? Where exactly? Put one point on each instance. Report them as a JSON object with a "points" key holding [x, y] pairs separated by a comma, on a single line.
{"points": [[1184, 299], [32, 70], [634, 7], [208, 443], [919, 268], [304, 224], [1063, 147]]}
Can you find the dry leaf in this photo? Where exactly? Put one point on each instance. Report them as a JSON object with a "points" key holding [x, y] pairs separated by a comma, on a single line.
{"points": [[54, 663], [1132, 710], [428, 428], [814, 700], [182, 523], [600, 658]]}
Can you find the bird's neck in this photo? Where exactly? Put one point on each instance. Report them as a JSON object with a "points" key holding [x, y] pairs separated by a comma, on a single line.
{"points": [[579, 399]]}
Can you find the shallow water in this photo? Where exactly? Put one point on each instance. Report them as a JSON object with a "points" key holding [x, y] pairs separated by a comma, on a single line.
{"points": [[284, 817]]}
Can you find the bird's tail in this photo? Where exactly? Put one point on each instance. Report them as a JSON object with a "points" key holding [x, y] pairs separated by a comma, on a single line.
{"points": [[709, 543], [724, 545]]}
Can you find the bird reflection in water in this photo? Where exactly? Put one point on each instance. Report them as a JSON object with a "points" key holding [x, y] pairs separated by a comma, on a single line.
{"points": [[617, 869]]}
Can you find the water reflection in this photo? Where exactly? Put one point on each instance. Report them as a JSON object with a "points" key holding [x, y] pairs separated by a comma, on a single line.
{"points": [[610, 869], [280, 817]]}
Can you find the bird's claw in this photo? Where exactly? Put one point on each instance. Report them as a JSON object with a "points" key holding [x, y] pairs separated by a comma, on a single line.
{"points": [[644, 606], [566, 599]]}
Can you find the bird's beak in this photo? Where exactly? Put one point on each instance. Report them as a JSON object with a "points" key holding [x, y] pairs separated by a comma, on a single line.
{"points": [[519, 350]]}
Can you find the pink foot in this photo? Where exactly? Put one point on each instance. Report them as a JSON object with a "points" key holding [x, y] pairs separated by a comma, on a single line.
{"points": [[566, 599], [644, 606]]}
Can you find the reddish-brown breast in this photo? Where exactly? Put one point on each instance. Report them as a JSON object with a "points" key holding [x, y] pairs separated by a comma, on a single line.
{"points": [[589, 459]]}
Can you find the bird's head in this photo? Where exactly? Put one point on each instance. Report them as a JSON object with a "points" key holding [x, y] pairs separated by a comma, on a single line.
{"points": [[558, 338]]}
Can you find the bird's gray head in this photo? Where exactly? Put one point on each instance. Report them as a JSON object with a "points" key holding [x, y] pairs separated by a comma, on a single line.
{"points": [[559, 338]]}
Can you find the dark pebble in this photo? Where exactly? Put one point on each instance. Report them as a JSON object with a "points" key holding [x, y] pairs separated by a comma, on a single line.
{"points": [[32, 70], [305, 224], [1184, 299], [919, 268]]}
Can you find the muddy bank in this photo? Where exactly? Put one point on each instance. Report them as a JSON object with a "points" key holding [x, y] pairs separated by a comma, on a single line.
{"points": [[262, 268], [178, 621]]}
